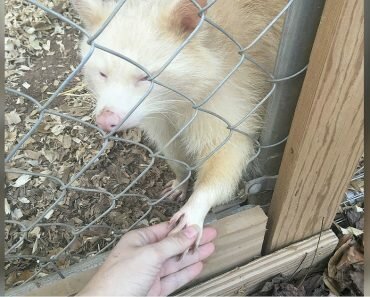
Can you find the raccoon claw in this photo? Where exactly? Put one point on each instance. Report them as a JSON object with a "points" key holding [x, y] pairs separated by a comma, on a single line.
{"points": [[177, 222], [180, 221], [179, 194]]}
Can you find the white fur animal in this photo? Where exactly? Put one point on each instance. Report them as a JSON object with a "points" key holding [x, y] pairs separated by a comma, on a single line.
{"points": [[149, 32]]}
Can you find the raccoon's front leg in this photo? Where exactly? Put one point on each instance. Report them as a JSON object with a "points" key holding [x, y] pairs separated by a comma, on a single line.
{"points": [[178, 186], [161, 132], [217, 180]]}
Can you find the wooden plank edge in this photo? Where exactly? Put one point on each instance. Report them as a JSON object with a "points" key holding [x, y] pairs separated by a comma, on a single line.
{"points": [[231, 251], [285, 261]]}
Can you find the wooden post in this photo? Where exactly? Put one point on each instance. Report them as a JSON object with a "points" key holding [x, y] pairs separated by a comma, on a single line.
{"points": [[326, 138]]}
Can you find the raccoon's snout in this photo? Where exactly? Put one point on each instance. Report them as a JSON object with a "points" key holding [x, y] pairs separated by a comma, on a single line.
{"points": [[108, 120]]}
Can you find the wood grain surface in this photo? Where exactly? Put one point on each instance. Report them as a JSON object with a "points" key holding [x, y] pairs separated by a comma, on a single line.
{"points": [[326, 138]]}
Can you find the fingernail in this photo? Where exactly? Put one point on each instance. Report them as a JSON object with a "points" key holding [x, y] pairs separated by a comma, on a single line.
{"points": [[191, 232]]}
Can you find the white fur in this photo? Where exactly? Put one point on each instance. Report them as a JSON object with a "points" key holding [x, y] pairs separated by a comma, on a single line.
{"points": [[145, 31]]}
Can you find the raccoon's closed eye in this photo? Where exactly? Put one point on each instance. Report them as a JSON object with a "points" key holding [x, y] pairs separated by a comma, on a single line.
{"points": [[103, 74], [144, 78]]}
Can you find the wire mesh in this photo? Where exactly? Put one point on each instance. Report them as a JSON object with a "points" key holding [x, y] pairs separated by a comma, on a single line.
{"points": [[43, 110]]}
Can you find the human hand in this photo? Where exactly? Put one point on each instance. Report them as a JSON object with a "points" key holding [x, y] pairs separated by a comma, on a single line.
{"points": [[145, 262]]}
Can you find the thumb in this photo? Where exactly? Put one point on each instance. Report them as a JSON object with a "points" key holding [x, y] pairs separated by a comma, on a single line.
{"points": [[176, 244]]}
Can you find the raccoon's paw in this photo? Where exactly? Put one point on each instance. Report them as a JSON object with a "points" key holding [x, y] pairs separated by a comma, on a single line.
{"points": [[184, 218], [178, 192]]}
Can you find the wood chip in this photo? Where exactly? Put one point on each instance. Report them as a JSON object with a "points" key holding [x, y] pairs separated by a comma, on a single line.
{"points": [[49, 214], [35, 232], [17, 214], [67, 141], [22, 180], [7, 207], [23, 200], [26, 85]]}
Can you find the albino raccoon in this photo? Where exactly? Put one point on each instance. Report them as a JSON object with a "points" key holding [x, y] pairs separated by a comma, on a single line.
{"points": [[149, 32]]}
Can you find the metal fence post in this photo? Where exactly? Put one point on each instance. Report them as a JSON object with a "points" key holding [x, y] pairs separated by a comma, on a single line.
{"points": [[298, 35]]}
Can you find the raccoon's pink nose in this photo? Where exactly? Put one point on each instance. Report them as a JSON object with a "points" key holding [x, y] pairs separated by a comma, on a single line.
{"points": [[108, 120]]}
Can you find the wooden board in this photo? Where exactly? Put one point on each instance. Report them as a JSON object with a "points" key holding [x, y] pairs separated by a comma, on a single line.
{"points": [[285, 261], [239, 240], [326, 138]]}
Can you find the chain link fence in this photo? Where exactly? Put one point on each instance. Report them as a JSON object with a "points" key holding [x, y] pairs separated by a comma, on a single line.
{"points": [[36, 229]]}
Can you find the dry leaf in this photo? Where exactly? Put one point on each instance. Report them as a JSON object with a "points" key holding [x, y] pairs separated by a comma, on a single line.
{"points": [[67, 141], [35, 232], [32, 154], [352, 230], [11, 136], [75, 245], [51, 156], [348, 259], [351, 256], [17, 214], [12, 118], [57, 129]]}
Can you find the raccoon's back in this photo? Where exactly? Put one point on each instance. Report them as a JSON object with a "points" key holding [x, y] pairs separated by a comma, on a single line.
{"points": [[244, 20]]}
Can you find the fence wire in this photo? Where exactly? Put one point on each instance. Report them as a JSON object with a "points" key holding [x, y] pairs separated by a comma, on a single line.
{"points": [[44, 109]]}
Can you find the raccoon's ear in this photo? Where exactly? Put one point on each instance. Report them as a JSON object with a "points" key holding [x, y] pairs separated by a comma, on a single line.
{"points": [[186, 14], [93, 12]]}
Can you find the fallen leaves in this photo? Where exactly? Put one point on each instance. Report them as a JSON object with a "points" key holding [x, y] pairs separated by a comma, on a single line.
{"points": [[355, 217], [28, 32], [312, 285], [345, 273]]}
